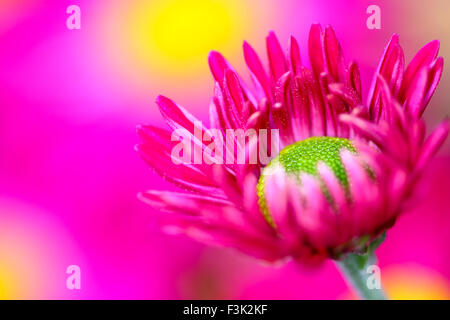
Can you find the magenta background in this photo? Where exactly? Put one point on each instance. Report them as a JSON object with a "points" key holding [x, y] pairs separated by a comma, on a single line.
{"points": [[69, 104]]}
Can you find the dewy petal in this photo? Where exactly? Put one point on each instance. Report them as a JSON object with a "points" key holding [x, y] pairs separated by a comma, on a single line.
{"points": [[390, 68], [347, 94], [175, 115], [221, 110], [227, 97], [365, 128], [355, 78], [186, 124], [294, 55], [309, 104], [301, 102], [215, 118], [258, 73], [314, 216], [333, 55], [156, 151], [234, 88], [218, 65], [277, 60], [235, 97], [280, 112], [315, 49]]}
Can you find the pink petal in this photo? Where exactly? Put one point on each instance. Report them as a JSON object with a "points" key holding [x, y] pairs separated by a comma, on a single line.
{"points": [[432, 144], [365, 128], [355, 78], [415, 95], [315, 49], [421, 60], [333, 55], [276, 57], [215, 118], [281, 109], [301, 103], [333, 185], [236, 96], [274, 192], [222, 109], [262, 248], [181, 175], [294, 55], [363, 191], [182, 203], [257, 69], [176, 116], [227, 181], [358, 177], [390, 68], [393, 42], [250, 203], [317, 218], [218, 65], [156, 151], [347, 94], [434, 76], [386, 100]]}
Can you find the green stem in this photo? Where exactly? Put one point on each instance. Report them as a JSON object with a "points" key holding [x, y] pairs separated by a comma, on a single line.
{"points": [[355, 269]]}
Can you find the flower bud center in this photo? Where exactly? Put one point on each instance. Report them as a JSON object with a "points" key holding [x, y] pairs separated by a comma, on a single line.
{"points": [[303, 156]]}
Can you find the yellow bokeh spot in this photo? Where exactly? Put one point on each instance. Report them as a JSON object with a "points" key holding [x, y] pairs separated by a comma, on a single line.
{"points": [[415, 283], [180, 33], [183, 29], [411, 282], [11, 284]]}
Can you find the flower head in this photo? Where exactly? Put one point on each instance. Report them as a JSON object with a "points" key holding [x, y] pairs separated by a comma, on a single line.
{"points": [[346, 167]]}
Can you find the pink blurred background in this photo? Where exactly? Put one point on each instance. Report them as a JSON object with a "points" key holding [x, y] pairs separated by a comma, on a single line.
{"points": [[69, 104]]}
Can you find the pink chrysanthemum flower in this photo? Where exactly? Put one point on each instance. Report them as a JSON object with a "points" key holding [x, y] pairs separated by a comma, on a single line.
{"points": [[346, 167]]}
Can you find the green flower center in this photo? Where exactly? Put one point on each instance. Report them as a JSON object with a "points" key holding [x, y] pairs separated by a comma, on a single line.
{"points": [[303, 156]]}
